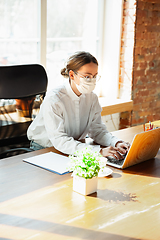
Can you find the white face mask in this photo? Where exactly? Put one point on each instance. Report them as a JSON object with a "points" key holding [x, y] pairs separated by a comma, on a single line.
{"points": [[86, 87]]}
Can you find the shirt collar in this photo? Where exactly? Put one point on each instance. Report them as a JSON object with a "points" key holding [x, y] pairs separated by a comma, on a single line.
{"points": [[70, 92]]}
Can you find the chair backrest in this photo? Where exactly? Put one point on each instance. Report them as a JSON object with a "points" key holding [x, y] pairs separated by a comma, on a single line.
{"points": [[19, 81]]}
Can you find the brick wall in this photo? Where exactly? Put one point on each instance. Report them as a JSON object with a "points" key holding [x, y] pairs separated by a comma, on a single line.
{"points": [[145, 90]]}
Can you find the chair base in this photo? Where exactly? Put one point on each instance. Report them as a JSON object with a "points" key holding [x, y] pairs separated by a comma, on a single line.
{"points": [[15, 146]]}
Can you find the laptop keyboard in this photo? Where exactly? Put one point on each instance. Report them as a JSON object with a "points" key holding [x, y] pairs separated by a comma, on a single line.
{"points": [[116, 161]]}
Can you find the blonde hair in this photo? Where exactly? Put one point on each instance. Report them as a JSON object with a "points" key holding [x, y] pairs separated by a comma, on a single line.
{"points": [[76, 61]]}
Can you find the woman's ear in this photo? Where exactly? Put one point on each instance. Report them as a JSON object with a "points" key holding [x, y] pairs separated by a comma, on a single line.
{"points": [[71, 75]]}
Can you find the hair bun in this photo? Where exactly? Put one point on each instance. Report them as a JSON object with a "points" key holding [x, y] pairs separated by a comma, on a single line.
{"points": [[64, 72]]}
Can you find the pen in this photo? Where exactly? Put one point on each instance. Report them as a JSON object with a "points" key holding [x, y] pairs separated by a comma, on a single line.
{"points": [[144, 127]]}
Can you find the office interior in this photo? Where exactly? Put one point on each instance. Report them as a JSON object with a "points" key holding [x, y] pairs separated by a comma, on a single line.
{"points": [[38, 204], [138, 64]]}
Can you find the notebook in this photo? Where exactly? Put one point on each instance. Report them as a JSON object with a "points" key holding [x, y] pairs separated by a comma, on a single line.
{"points": [[145, 146], [50, 161]]}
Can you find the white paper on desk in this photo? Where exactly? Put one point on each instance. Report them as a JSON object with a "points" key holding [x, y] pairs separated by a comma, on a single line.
{"points": [[50, 161]]}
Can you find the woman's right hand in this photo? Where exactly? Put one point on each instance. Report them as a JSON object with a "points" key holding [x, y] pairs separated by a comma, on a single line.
{"points": [[115, 152]]}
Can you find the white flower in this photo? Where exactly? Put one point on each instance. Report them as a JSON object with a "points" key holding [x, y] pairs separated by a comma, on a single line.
{"points": [[86, 163]]}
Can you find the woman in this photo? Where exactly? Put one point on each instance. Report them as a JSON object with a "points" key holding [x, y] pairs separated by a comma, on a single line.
{"points": [[72, 111]]}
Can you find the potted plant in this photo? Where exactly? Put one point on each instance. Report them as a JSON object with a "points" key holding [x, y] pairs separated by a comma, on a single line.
{"points": [[86, 165]]}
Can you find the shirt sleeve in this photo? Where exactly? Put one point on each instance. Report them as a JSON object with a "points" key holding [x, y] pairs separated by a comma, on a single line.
{"points": [[98, 131], [54, 124]]}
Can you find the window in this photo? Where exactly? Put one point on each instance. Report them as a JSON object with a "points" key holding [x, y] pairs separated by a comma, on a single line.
{"points": [[71, 26], [19, 31], [48, 31]]}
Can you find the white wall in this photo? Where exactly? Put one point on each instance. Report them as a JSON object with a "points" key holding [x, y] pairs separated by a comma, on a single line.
{"points": [[111, 47]]}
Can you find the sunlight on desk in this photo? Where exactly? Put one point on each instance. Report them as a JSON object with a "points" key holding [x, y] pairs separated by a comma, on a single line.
{"points": [[72, 212], [38, 204]]}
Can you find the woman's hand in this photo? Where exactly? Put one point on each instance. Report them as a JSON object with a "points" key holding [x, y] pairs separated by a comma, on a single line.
{"points": [[117, 152], [124, 145]]}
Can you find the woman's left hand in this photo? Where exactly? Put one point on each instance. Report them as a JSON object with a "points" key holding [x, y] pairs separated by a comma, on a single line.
{"points": [[124, 146]]}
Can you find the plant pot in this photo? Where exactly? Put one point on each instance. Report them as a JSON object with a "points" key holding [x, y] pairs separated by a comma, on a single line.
{"points": [[84, 186], [24, 106]]}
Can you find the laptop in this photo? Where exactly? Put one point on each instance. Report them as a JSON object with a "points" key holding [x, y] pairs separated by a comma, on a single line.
{"points": [[144, 146]]}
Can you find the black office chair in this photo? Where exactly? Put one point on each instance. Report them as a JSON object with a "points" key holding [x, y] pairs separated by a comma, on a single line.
{"points": [[23, 83]]}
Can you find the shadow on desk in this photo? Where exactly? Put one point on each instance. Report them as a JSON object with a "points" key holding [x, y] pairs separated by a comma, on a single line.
{"points": [[114, 196], [150, 168], [58, 229]]}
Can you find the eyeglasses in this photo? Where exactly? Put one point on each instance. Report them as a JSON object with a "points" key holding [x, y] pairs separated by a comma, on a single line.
{"points": [[89, 78]]}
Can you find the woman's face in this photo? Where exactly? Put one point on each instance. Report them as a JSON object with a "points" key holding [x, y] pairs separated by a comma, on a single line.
{"points": [[88, 70]]}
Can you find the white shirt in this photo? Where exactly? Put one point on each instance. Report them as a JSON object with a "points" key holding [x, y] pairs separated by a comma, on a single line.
{"points": [[64, 119]]}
